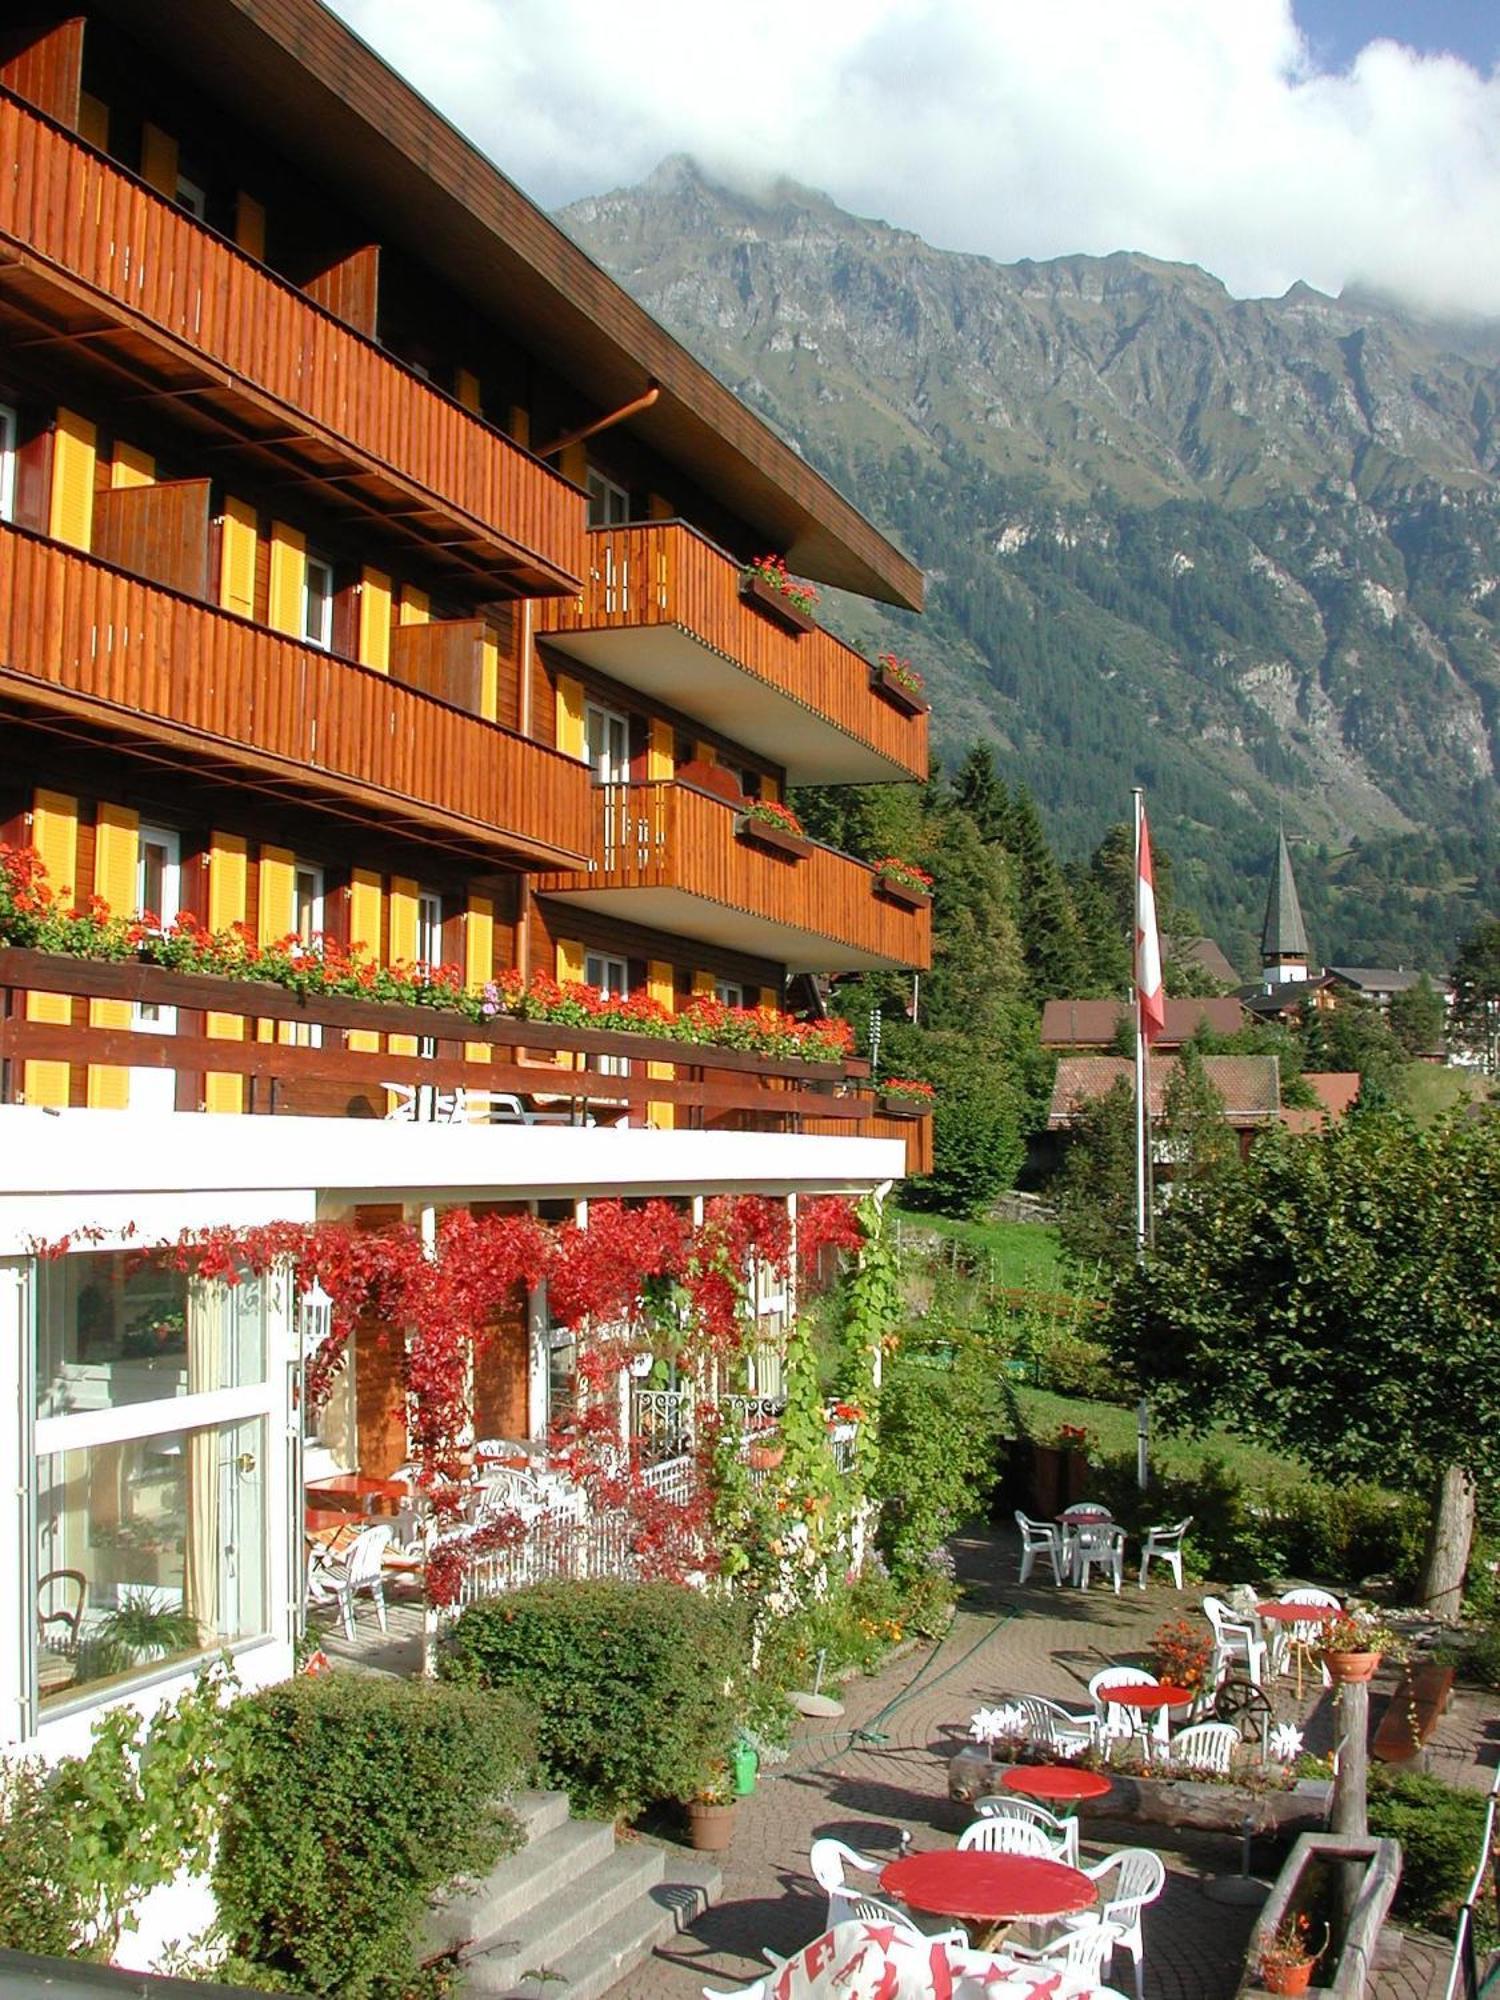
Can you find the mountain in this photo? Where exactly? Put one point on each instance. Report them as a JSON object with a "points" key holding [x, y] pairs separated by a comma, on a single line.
{"points": [[1243, 552]]}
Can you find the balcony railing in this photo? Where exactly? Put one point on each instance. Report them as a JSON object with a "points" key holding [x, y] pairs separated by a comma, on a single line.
{"points": [[141, 661], [678, 856], [666, 575], [99, 259]]}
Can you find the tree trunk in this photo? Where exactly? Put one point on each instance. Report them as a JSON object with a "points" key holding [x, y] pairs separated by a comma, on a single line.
{"points": [[1441, 1587]]}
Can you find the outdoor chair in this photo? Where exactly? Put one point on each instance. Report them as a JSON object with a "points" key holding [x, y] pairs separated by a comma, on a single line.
{"points": [[830, 1861], [1141, 1879], [992, 1835], [1099, 1548], [1055, 1727], [1039, 1538], [1205, 1746], [1303, 1636], [1164, 1544], [1082, 1952], [359, 1567], [1235, 1639], [1005, 1805], [60, 1598], [1116, 1723]]}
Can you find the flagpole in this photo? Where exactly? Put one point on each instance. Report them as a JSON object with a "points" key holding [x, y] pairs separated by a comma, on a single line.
{"points": [[1142, 1220]]}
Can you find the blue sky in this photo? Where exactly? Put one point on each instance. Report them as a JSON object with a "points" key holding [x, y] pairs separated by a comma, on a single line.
{"points": [[1339, 29]]}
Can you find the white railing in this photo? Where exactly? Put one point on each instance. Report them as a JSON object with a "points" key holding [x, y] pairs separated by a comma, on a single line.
{"points": [[1464, 1973], [672, 1479], [661, 1421]]}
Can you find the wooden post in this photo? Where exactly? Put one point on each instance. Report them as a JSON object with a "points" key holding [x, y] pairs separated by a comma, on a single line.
{"points": [[1350, 1776]]}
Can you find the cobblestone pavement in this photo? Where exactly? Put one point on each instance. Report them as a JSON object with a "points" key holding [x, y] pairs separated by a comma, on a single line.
{"points": [[869, 1790]]}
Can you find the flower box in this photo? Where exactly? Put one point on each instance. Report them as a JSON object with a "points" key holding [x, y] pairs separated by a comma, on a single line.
{"points": [[894, 1105], [884, 683], [775, 604], [905, 893], [776, 839]]}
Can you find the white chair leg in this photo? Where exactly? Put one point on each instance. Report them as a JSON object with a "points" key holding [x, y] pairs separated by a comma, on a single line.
{"points": [[346, 1611], [377, 1591], [1175, 1559]]}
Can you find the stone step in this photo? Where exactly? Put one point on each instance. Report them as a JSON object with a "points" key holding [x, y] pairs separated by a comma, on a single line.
{"points": [[539, 1812], [514, 1885], [572, 1913], [602, 1958]]}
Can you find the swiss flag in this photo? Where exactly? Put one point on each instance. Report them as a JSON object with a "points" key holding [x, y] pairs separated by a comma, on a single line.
{"points": [[1150, 998]]}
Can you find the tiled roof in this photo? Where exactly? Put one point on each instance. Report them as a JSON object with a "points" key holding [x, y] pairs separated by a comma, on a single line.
{"points": [[1208, 953], [1093, 1024], [1380, 978], [1335, 1090], [1248, 1085]]}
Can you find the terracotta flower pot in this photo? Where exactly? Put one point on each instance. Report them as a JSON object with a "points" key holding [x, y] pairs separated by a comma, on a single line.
{"points": [[1287, 1978], [1347, 1667], [765, 1457], [710, 1827]]}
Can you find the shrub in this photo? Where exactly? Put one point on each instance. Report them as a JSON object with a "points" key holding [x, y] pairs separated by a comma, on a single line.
{"points": [[354, 1797], [1351, 1532], [1440, 1831], [43, 1906], [1071, 1366], [633, 1683], [941, 1421]]}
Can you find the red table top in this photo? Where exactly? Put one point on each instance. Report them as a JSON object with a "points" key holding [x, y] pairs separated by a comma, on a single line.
{"points": [[987, 1888], [1054, 1781], [1085, 1517], [1131, 1694], [1297, 1614], [358, 1486]]}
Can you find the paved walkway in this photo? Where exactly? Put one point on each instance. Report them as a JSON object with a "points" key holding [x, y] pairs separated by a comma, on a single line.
{"points": [[868, 1791]]}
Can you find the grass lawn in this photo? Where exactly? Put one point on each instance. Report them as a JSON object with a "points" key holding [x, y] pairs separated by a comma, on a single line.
{"points": [[1426, 1090], [1025, 1256], [1114, 1427]]}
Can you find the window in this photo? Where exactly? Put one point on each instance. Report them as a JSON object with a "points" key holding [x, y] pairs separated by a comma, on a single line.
{"points": [[729, 994], [7, 463], [192, 197], [612, 977], [609, 505], [607, 741], [307, 902], [429, 928], [317, 602]]}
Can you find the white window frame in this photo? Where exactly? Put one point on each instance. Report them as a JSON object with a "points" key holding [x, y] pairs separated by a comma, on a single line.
{"points": [[602, 767], [429, 938], [319, 634], [609, 502], [730, 993], [9, 436], [191, 198], [311, 874]]}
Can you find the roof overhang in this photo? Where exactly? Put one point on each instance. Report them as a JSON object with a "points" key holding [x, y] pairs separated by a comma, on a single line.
{"points": [[680, 914], [351, 122]]}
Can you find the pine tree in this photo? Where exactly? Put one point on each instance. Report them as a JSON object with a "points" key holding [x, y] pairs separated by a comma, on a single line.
{"points": [[1051, 938]]}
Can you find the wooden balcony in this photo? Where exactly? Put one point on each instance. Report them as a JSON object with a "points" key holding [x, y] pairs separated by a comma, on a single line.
{"points": [[98, 653], [679, 860], [162, 310], [553, 1074], [662, 611]]}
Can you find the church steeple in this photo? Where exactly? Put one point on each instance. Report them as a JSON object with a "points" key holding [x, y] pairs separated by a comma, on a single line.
{"points": [[1283, 938]]}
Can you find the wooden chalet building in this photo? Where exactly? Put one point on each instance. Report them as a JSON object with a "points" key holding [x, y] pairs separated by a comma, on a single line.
{"points": [[371, 568]]}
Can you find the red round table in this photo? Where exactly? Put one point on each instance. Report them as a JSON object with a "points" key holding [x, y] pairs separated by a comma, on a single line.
{"points": [[1144, 1695], [1088, 1517], [987, 1889], [1282, 1613], [1054, 1784]]}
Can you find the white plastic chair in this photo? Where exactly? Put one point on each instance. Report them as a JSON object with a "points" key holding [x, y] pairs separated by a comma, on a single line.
{"points": [[1205, 1746], [1082, 1952], [1116, 1722], [1164, 1544], [830, 1860], [992, 1835], [1235, 1639], [1057, 1728], [1306, 1633], [1039, 1538], [1141, 1879], [1006, 1805], [359, 1568], [1099, 1548]]}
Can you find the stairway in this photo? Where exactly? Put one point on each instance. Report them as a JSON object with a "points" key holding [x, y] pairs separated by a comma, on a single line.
{"points": [[571, 1904]]}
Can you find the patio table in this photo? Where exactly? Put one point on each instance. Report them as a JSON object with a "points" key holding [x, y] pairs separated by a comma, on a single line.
{"points": [[1062, 1785], [358, 1492], [1281, 1613], [987, 1891], [1146, 1698]]}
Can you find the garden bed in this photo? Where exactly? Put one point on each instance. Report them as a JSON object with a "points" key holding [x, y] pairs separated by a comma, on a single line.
{"points": [[1166, 1801], [1350, 1912]]}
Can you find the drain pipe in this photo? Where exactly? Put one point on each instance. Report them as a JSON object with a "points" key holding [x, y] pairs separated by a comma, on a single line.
{"points": [[606, 423]]}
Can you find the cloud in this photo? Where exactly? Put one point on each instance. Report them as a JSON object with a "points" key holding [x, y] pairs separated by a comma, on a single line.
{"points": [[1199, 130]]}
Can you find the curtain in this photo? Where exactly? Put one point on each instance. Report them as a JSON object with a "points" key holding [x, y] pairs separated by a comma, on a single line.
{"points": [[208, 1307]]}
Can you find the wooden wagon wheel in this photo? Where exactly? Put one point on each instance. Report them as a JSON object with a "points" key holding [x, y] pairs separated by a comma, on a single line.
{"points": [[1247, 1707]]}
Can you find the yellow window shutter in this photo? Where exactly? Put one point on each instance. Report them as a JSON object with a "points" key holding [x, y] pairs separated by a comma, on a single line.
{"points": [[375, 620], [288, 579], [159, 160], [416, 607], [466, 389], [479, 959], [518, 423], [704, 983], [661, 753], [770, 788], [403, 905], [364, 937], [705, 753], [74, 449], [572, 738], [250, 226], [661, 985], [573, 463], [572, 961], [116, 853], [489, 678], [93, 120], [130, 466], [54, 835], [770, 996], [659, 507], [274, 908], [237, 539], [228, 877]]}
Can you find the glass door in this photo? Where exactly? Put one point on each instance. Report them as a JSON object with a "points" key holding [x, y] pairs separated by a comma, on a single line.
{"points": [[607, 739], [612, 977], [158, 893]]}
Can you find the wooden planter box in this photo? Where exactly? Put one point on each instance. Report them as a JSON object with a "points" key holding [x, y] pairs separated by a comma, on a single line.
{"points": [[755, 590], [898, 696], [776, 839], [904, 1107], [1168, 1801], [1370, 1869], [902, 893]]}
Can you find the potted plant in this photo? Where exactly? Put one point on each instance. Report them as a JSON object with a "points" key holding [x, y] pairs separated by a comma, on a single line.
{"points": [[767, 823], [1180, 1653], [1352, 1647], [900, 682], [906, 1096], [710, 1811], [765, 1451], [1288, 1956], [903, 882], [767, 583], [140, 1630]]}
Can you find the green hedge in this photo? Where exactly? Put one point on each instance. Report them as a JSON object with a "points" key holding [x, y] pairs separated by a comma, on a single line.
{"points": [[1440, 1831], [43, 1906], [354, 1797], [631, 1683], [942, 1416]]}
